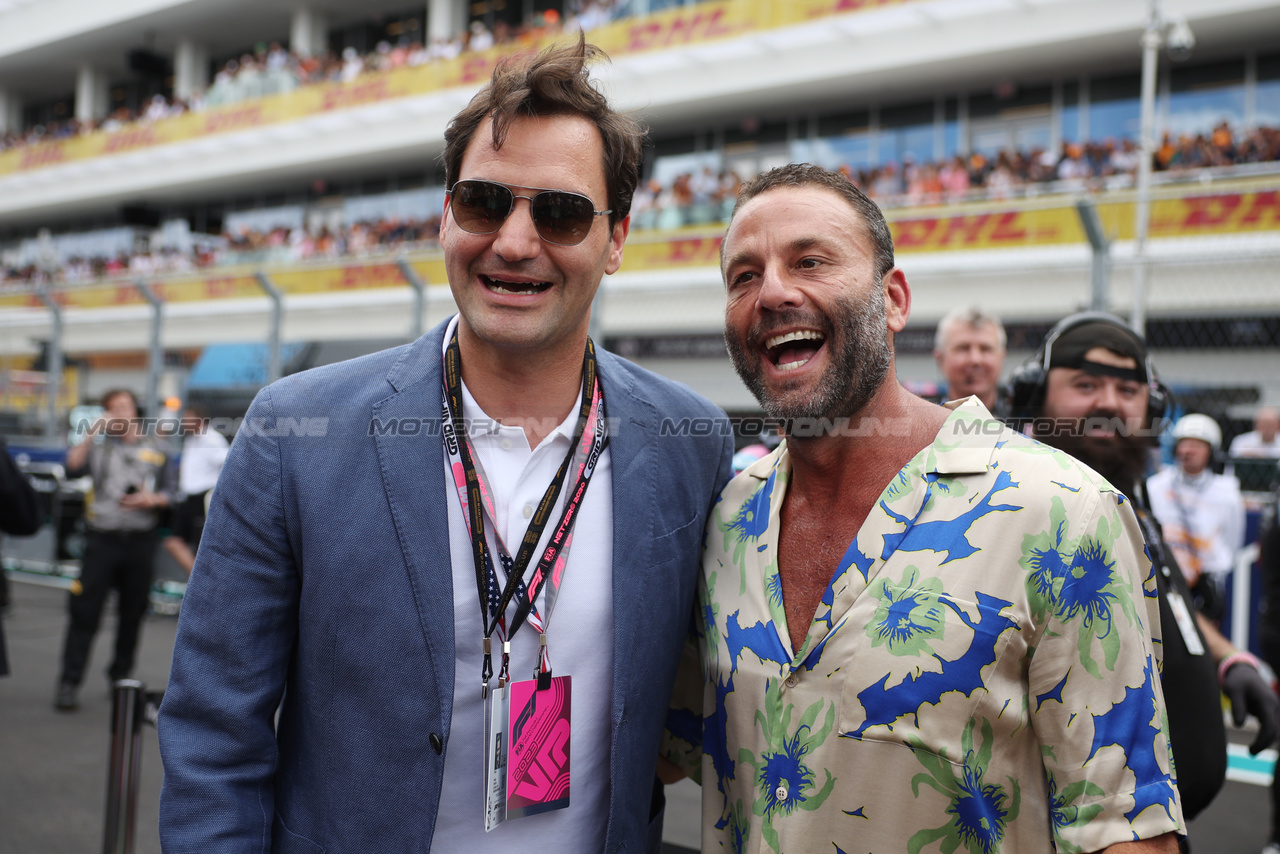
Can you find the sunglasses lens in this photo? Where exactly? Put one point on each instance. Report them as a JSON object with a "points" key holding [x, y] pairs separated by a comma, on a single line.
{"points": [[480, 207], [563, 218]]}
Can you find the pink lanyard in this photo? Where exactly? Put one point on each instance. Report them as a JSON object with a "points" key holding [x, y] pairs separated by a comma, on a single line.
{"points": [[475, 497]]}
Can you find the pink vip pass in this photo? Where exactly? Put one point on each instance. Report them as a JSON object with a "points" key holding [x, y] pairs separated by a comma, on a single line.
{"points": [[538, 747]]}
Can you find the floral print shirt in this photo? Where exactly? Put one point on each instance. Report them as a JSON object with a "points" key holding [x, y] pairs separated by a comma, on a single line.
{"points": [[978, 677]]}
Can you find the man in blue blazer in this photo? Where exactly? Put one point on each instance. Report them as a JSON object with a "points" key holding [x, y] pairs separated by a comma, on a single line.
{"points": [[326, 689]]}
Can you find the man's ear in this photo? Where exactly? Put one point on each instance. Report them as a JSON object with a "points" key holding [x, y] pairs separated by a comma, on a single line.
{"points": [[897, 299]]}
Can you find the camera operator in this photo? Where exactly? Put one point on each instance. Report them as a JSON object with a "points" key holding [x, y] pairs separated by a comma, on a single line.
{"points": [[132, 482]]}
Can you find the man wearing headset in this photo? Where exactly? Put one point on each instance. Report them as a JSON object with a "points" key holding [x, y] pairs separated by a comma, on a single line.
{"points": [[1201, 513], [1092, 391]]}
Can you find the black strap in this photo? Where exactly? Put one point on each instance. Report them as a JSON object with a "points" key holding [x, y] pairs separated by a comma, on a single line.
{"points": [[475, 502]]}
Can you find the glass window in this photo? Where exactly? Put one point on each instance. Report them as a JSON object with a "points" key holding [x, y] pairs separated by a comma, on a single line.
{"points": [[1115, 108], [843, 139], [757, 132], [667, 169], [1030, 135], [1014, 102], [989, 140], [906, 133], [852, 150], [950, 128], [1203, 96], [1070, 111], [1269, 91]]}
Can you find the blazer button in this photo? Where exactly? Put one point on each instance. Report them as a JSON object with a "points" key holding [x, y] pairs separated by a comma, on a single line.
{"points": [[436, 743]]}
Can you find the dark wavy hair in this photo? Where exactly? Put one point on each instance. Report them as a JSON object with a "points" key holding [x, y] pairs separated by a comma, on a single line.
{"points": [[808, 175], [554, 83]]}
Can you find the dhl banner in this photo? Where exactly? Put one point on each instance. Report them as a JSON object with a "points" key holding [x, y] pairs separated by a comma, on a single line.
{"points": [[1191, 216], [236, 284], [24, 389], [913, 232], [672, 28]]}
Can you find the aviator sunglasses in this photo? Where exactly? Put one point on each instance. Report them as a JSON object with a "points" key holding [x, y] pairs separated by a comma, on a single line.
{"points": [[560, 217]]}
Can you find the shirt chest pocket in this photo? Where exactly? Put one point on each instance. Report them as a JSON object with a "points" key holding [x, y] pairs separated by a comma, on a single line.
{"points": [[923, 662]]}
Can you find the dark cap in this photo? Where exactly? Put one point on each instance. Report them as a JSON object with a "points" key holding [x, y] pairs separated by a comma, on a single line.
{"points": [[1069, 348]]}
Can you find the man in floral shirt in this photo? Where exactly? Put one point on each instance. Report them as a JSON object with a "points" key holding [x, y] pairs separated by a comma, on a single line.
{"points": [[922, 632]]}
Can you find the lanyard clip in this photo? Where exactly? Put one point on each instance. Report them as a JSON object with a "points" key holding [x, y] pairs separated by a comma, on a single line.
{"points": [[542, 670], [506, 660], [487, 670]]}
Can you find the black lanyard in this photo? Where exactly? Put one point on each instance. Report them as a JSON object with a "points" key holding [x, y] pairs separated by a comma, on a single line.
{"points": [[591, 391]]}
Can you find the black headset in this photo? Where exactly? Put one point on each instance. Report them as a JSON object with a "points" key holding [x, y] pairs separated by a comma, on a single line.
{"points": [[1026, 385]]}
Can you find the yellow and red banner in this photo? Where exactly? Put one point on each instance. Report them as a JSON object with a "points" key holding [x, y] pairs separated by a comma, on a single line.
{"points": [[672, 28], [916, 230], [973, 227], [1189, 216], [237, 283]]}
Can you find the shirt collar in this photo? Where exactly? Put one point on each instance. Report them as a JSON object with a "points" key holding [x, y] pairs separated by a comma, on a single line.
{"points": [[967, 440], [480, 424], [964, 445]]}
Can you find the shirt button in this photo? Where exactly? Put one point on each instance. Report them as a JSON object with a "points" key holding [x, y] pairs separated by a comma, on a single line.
{"points": [[527, 511], [506, 444], [780, 794], [792, 681]]}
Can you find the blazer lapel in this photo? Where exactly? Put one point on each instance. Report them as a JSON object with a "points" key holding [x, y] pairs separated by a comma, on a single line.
{"points": [[410, 455]]}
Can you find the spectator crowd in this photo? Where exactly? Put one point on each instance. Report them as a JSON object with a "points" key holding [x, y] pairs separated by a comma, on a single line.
{"points": [[704, 196], [698, 197], [271, 69]]}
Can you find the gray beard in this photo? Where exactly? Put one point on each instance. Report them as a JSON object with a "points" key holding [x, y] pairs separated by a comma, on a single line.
{"points": [[860, 360]]}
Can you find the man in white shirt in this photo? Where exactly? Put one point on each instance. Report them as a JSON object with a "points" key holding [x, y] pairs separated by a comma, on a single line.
{"points": [[384, 526], [1201, 513], [203, 453], [1263, 440]]}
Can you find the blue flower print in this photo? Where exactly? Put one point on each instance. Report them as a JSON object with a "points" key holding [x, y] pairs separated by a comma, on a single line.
{"points": [[784, 772]]}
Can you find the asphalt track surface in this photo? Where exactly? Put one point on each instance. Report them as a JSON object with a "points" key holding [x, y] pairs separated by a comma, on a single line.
{"points": [[53, 765]]}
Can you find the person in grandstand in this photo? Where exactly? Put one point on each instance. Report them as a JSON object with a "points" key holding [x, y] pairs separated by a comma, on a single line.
{"points": [[333, 685], [1092, 391], [919, 627]]}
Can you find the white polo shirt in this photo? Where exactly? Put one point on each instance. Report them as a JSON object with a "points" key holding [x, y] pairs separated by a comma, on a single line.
{"points": [[579, 637]]}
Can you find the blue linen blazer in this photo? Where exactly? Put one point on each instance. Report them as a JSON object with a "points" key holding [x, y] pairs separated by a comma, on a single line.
{"points": [[323, 590]]}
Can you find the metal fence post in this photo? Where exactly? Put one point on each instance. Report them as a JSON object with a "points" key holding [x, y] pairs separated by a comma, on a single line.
{"points": [[419, 297], [274, 368], [155, 358], [54, 366], [131, 707], [1099, 292], [122, 775]]}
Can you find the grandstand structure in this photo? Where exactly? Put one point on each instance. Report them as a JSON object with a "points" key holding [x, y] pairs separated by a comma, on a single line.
{"points": [[158, 205]]}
